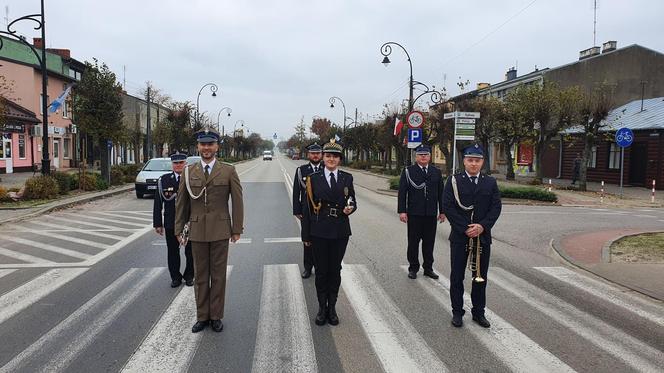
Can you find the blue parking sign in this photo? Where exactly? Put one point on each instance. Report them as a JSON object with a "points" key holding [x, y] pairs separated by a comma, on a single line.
{"points": [[414, 135], [624, 137]]}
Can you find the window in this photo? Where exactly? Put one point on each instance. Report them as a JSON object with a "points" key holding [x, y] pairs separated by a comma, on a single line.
{"points": [[66, 147], [21, 146], [592, 160], [614, 156]]}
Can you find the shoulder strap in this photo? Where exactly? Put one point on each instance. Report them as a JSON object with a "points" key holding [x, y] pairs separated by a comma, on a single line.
{"points": [[160, 188], [412, 183], [299, 177], [310, 196], [191, 193], [455, 190]]}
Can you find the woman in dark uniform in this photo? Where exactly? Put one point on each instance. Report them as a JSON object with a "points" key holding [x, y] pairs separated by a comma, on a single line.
{"points": [[326, 227]]}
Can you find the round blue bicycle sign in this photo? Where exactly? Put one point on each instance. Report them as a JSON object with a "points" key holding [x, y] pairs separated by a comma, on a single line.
{"points": [[624, 137]]}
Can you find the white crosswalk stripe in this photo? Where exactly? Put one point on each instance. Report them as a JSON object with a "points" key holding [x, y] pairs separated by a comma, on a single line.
{"points": [[23, 257], [513, 348], [156, 353], [124, 216], [5, 272], [77, 240], [399, 347], [81, 221], [61, 228], [112, 221], [604, 336], [29, 293], [609, 293], [47, 247], [284, 344], [97, 314]]}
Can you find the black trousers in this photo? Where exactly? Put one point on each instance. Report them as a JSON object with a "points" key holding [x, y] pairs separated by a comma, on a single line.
{"points": [[459, 258], [328, 254], [308, 255], [421, 228], [174, 257]]}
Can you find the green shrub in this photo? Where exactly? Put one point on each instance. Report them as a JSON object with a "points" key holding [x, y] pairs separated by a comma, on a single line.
{"points": [[41, 187], [73, 181], [100, 183], [64, 181], [117, 175], [89, 181], [531, 193], [360, 165], [4, 195], [394, 183]]}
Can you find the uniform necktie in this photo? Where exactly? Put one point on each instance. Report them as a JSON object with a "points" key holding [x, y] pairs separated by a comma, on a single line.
{"points": [[333, 181], [424, 169], [207, 170], [474, 179]]}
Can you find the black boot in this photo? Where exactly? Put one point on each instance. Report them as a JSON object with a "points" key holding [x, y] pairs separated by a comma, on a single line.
{"points": [[321, 316], [332, 317]]}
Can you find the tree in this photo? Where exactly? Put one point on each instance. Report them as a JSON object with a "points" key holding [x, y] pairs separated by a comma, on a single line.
{"points": [[98, 109], [512, 125], [491, 112], [321, 127], [594, 108], [178, 121], [300, 133], [6, 90]]}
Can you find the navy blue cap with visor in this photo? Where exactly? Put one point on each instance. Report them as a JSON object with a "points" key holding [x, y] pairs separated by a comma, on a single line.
{"points": [[422, 150], [207, 135], [473, 151], [178, 156]]}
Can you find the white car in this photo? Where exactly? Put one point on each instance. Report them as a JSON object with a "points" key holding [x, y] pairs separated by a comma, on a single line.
{"points": [[146, 180], [267, 155]]}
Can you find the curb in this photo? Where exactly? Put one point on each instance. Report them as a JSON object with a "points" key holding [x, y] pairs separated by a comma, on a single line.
{"points": [[606, 249], [567, 260], [348, 169], [58, 205]]}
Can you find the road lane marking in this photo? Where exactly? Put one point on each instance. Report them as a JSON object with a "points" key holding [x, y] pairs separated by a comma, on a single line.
{"points": [[23, 257], [51, 248], [5, 272], [287, 344], [74, 220], [607, 293], [241, 240], [29, 293], [60, 228], [170, 345], [503, 340], [123, 216], [622, 346], [398, 346], [113, 221], [96, 315], [283, 240], [80, 241], [645, 216]]}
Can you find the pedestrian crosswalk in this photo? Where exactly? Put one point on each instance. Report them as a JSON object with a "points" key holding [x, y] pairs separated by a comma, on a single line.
{"points": [[286, 339], [76, 238]]}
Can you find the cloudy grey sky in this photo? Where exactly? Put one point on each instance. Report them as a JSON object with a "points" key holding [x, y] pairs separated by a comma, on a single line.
{"points": [[276, 61]]}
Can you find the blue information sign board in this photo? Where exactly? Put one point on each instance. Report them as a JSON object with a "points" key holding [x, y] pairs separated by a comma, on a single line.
{"points": [[624, 137]]}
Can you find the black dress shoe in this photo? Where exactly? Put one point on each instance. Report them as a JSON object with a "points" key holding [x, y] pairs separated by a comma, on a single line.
{"points": [[321, 316], [200, 325], [332, 317], [457, 320], [176, 283], [189, 282], [412, 275], [481, 321], [217, 325], [306, 273], [431, 274]]}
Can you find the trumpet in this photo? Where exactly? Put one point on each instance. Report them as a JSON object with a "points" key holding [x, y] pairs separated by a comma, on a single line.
{"points": [[184, 236], [475, 252]]}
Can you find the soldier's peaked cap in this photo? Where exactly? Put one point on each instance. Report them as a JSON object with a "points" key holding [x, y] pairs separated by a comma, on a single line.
{"points": [[332, 147], [314, 148], [473, 151], [178, 156], [423, 149], [207, 135]]}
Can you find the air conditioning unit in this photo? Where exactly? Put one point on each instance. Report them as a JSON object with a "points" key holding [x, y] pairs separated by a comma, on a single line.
{"points": [[36, 131]]}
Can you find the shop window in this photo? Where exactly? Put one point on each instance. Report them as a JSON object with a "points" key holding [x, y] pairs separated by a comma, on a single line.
{"points": [[592, 160], [21, 146], [66, 146]]}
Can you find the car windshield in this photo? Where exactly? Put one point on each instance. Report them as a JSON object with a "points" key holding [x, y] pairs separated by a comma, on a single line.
{"points": [[158, 165], [194, 159], [267, 152]]}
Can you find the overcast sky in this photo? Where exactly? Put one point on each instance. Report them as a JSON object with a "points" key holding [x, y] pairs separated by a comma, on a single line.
{"points": [[276, 61]]}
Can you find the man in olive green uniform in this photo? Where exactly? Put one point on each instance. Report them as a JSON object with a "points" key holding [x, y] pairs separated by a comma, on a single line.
{"points": [[203, 204]]}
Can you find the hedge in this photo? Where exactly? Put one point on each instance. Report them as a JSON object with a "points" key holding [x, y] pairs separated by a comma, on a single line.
{"points": [[394, 183], [41, 187], [531, 193]]}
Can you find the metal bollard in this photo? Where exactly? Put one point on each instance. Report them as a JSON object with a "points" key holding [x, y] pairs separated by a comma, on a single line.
{"points": [[549, 185], [652, 196], [601, 194]]}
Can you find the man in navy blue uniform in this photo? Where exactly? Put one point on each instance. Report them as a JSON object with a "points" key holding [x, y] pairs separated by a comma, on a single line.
{"points": [[314, 152], [164, 201], [420, 205], [472, 204]]}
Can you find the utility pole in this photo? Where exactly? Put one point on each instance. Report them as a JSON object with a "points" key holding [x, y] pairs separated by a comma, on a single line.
{"points": [[148, 131]]}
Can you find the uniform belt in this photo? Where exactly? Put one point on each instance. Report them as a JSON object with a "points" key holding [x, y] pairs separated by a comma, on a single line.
{"points": [[331, 209]]}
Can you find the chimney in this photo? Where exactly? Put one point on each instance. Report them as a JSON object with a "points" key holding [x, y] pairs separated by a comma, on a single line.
{"points": [[609, 46], [510, 74], [64, 53], [37, 42], [587, 53], [482, 86]]}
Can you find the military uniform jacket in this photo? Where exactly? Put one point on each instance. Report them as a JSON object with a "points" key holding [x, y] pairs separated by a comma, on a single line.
{"points": [[212, 221], [484, 196], [323, 225], [300, 192], [414, 201], [170, 186]]}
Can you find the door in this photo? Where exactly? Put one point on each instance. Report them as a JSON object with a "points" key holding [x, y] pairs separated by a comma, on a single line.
{"points": [[7, 152], [638, 162], [56, 153]]}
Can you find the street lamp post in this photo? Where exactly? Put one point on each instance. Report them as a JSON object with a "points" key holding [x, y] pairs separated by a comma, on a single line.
{"points": [[214, 88], [332, 101], [229, 110], [237, 147], [40, 25]]}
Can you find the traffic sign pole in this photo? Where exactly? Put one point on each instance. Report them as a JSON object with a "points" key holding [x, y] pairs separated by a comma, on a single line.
{"points": [[622, 169]]}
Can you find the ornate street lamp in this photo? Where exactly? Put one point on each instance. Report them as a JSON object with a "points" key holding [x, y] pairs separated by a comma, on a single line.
{"points": [[40, 22], [333, 99], [229, 110], [214, 88]]}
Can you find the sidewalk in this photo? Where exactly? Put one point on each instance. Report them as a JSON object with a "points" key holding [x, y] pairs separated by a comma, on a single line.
{"points": [[13, 215], [590, 251]]}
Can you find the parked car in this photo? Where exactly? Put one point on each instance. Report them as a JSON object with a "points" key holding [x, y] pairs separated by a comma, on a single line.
{"points": [[296, 157], [267, 155], [146, 180]]}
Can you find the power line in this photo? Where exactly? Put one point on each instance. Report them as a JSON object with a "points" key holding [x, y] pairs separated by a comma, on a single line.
{"points": [[490, 33]]}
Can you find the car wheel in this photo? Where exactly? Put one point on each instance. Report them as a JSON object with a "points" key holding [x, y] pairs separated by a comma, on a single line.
{"points": [[139, 195]]}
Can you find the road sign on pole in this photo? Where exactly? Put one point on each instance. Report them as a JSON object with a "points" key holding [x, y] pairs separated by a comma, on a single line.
{"points": [[466, 121], [624, 138], [414, 137], [415, 119], [464, 129]]}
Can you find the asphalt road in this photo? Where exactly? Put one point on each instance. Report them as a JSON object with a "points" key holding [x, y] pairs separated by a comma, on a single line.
{"points": [[86, 290]]}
